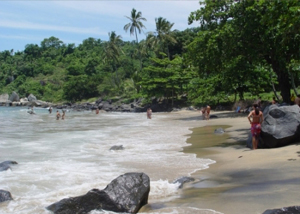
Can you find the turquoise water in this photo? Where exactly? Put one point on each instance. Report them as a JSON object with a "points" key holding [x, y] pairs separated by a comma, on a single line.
{"points": [[66, 158]]}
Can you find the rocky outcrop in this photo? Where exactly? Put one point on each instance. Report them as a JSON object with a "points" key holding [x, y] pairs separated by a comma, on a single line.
{"points": [[6, 165], [5, 196], [284, 210], [127, 193]]}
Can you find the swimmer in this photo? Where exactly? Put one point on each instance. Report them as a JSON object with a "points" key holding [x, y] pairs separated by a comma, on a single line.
{"points": [[57, 115], [149, 113]]}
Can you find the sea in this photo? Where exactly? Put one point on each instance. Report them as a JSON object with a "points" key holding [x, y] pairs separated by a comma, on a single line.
{"points": [[58, 159]]}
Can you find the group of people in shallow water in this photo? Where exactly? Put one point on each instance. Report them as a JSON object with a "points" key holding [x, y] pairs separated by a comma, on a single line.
{"points": [[205, 112], [58, 116]]}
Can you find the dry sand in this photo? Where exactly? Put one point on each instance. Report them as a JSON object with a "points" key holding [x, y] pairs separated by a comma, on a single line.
{"points": [[242, 181]]}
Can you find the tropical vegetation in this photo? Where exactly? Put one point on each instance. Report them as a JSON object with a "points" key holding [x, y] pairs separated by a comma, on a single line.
{"points": [[241, 48]]}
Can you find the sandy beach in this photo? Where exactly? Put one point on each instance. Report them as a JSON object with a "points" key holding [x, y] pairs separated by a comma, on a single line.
{"points": [[242, 180]]}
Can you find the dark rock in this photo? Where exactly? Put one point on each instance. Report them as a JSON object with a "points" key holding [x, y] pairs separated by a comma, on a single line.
{"points": [[117, 147], [5, 196], [183, 180], [6, 165], [14, 97], [284, 210], [219, 131], [98, 101], [280, 126], [127, 193], [213, 116]]}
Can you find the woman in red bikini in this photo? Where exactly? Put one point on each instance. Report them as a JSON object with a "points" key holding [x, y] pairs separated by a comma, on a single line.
{"points": [[257, 119]]}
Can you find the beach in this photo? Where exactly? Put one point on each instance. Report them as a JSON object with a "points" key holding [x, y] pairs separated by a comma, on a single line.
{"points": [[242, 180]]}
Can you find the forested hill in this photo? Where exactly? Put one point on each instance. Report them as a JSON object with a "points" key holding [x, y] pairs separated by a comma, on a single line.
{"points": [[240, 47]]}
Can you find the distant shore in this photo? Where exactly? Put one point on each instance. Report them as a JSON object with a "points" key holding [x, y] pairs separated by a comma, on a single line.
{"points": [[242, 180]]}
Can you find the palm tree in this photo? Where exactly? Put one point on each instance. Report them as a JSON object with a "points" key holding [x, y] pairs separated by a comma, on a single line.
{"points": [[134, 25], [162, 37], [112, 52]]}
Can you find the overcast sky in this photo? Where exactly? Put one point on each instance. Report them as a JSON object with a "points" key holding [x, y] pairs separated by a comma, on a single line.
{"points": [[29, 22]]}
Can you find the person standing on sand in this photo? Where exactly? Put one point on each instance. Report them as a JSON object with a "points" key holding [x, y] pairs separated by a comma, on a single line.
{"points": [[207, 114], [57, 115], [257, 119], [149, 113]]}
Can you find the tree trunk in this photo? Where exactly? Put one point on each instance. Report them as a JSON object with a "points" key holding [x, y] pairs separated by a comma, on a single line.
{"points": [[284, 82], [293, 83]]}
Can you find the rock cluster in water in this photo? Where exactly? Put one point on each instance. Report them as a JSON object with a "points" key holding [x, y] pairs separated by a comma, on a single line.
{"points": [[119, 105]]}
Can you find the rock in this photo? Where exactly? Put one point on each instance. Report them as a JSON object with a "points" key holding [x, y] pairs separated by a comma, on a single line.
{"points": [[284, 210], [6, 165], [31, 98], [183, 180], [219, 131], [117, 147], [14, 97], [5, 196], [4, 98], [280, 126], [127, 193]]}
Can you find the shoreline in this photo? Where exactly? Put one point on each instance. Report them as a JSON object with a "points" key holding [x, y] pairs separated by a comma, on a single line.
{"points": [[242, 180]]}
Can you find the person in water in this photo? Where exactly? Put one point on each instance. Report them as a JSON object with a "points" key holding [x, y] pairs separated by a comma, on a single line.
{"points": [[97, 110], [257, 118], [50, 110], [149, 113], [63, 114], [57, 115]]}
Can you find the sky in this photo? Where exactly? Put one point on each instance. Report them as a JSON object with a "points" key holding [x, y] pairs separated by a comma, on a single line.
{"points": [[25, 22]]}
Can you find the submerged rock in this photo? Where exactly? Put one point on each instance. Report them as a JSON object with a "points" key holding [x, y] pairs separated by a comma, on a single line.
{"points": [[219, 131], [5, 196], [183, 180], [6, 165], [117, 147], [284, 210], [127, 193]]}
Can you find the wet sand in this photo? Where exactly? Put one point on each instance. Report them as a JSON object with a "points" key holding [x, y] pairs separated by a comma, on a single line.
{"points": [[242, 180]]}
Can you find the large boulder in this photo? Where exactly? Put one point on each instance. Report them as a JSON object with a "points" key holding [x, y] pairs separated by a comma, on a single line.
{"points": [[280, 126], [31, 98], [127, 193], [14, 97], [6, 165], [4, 98], [5, 196], [284, 210]]}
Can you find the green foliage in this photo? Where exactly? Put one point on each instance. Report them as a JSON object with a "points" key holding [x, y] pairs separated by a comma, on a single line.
{"points": [[241, 49]]}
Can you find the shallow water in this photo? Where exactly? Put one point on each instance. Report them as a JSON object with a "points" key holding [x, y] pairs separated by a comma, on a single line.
{"points": [[67, 158]]}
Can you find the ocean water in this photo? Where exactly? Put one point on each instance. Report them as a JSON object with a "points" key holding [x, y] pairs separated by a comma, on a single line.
{"points": [[67, 158]]}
